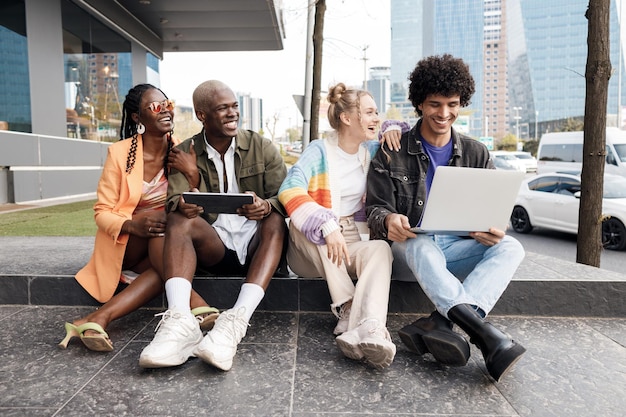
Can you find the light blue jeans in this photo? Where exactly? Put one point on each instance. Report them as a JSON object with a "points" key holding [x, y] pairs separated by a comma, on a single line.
{"points": [[453, 270]]}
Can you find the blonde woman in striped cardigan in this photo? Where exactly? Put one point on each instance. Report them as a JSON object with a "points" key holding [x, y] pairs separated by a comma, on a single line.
{"points": [[324, 194]]}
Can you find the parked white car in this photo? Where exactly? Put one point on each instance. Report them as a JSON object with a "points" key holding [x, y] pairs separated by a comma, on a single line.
{"points": [[509, 158], [529, 161], [552, 200]]}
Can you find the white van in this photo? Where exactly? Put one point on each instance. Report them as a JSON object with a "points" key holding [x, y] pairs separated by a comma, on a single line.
{"points": [[563, 151]]}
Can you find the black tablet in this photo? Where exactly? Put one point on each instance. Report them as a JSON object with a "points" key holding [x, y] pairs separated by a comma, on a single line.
{"points": [[219, 202]]}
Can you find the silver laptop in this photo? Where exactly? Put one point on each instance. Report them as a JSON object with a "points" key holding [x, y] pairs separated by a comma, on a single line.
{"points": [[463, 200]]}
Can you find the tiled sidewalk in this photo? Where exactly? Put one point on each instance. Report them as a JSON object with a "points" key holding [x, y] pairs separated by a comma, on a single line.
{"points": [[288, 365]]}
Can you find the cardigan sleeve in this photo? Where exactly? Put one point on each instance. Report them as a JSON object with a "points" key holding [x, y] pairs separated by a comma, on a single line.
{"points": [[305, 194], [389, 125]]}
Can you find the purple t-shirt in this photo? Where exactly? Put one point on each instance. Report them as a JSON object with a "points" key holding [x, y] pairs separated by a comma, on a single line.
{"points": [[438, 156]]}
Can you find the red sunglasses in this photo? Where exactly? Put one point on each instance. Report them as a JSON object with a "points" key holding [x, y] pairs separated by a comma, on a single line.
{"points": [[157, 106]]}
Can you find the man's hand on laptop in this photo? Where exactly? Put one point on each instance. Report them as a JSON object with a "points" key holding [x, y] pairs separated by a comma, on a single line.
{"points": [[493, 237], [398, 227]]}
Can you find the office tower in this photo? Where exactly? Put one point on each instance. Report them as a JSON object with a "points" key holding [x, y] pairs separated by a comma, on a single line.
{"points": [[411, 39], [250, 112], [527, 58], [379, 85], [547, 60]]}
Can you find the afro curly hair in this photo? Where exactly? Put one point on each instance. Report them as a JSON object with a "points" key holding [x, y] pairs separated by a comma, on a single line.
{"points": [[444, 75]]}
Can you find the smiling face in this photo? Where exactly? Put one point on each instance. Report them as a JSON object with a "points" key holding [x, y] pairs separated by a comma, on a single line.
{"points": [[220, 116], [361, 124], [155, 123], [438, 114], [369, 117]]}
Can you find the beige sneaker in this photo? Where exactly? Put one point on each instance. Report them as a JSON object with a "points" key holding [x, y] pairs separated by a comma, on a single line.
{"points": [[219, 346], [344, 318], [177, 335], [376, 345], [348, 343], [370, 342]]}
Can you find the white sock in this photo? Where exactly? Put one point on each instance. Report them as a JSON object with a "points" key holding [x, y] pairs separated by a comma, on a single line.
{"points": [[249, 297], [178, 292]]}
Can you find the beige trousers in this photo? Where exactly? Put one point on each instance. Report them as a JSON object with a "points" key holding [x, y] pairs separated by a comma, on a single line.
{"points": [[370, 264]]}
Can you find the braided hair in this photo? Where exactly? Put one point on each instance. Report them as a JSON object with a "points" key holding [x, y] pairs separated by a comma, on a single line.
{"points": [[128, 128]]}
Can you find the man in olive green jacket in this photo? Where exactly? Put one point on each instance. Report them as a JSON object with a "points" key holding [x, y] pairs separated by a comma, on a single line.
{"points": [[249, 243]]}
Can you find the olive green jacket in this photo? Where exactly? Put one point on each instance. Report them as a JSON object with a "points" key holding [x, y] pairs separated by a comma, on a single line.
{"points": [[259, 167]]}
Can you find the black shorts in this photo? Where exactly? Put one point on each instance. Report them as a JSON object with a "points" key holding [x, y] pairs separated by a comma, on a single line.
{"points": [[228, 266]]}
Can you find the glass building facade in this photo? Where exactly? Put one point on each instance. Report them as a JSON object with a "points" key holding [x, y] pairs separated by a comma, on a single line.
{"points": [[547, 60], [534, 50], [14, 83], [97, 70]]}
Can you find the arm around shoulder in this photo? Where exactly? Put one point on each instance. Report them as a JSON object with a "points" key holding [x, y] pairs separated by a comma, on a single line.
{"points": [[380, 197]]}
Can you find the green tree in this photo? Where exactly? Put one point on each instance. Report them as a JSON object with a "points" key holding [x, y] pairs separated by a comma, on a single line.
{"points": [[507, 143], [531, 146]]}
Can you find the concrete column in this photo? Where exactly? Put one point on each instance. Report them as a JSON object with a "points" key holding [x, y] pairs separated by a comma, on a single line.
{"points": [[139, 63], [44, 28]]}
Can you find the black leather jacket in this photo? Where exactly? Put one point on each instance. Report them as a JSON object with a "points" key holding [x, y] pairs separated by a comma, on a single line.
{"points": [[396, 181]]}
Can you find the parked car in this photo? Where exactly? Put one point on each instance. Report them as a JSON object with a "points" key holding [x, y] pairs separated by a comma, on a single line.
{"points": [[529, 161], [508, 157], [501, 163], [552, 200]]}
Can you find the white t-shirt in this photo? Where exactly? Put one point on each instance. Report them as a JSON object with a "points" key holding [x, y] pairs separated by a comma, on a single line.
{"points": [[352, 175], [235, 231]]}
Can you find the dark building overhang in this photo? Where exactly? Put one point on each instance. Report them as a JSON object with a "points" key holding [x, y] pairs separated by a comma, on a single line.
{"points": [[194, 25]]}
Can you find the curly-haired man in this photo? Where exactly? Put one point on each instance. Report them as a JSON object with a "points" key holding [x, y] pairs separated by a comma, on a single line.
{"points": [[463, 277]]}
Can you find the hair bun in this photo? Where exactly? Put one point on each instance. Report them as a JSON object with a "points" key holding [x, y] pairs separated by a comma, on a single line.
{"points": [[335, 92]]}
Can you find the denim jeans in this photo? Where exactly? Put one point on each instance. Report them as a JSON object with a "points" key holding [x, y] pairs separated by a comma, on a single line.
{"points": [[453, 270]]}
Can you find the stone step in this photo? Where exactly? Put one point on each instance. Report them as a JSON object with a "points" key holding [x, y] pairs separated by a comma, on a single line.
{"points": [[39, 271]]}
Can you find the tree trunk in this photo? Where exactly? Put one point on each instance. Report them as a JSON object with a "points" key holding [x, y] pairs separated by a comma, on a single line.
{"points": [[318, 40], [597, 74]]}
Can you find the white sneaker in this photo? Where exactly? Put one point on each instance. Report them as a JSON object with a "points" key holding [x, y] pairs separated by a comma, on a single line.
{"points": [[348, 343], [219, 346], [376, 345], [344, 318], [177, 334]]}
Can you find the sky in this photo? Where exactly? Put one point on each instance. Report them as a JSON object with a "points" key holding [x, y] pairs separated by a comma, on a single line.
{"points": [[275, 76]]}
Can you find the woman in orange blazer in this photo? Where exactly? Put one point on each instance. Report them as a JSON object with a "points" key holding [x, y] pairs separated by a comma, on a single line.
{"points": [[131, 218]]}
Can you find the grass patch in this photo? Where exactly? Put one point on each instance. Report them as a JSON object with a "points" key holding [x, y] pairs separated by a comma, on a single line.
{"points": [[72, 219]]}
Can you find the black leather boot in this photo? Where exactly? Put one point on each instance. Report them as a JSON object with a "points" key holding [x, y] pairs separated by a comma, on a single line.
{"points": [[434, 334], [499, 350]]}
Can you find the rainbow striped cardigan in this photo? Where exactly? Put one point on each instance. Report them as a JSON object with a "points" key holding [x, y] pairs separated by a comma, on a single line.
{"points": [[310, 192]]}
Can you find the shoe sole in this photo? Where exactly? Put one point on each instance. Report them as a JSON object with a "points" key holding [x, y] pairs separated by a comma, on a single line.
{"points": [[412, 338], [173, 360], [378, 355], [209, 358], [504, 361], [208, 322], [349, 350], [446, 348]]}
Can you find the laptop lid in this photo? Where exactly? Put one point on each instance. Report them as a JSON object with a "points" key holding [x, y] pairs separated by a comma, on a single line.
{"points": [[463, 200]]}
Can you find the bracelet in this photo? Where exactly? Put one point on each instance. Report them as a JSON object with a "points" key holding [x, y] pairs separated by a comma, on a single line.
{"points": [[269, 206]]}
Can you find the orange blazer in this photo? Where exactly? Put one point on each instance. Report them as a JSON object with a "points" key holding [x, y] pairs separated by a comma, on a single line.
{"points": [[118, 195]]}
